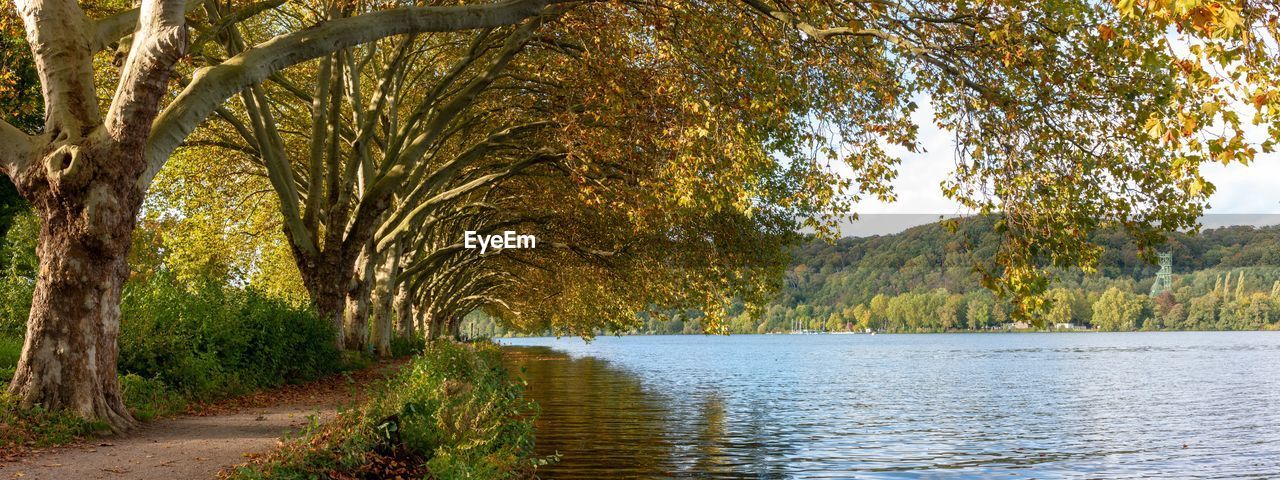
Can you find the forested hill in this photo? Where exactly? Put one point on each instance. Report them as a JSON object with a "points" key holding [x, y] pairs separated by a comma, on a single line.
{"points": [[931, 256], [923, 279]]}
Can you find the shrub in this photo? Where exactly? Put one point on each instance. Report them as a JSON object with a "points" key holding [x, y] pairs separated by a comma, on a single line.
{"points": [[10, 350], [179, 344], [405, 346], [149, 398], [18, 265], [213, 340], [451, 413]]}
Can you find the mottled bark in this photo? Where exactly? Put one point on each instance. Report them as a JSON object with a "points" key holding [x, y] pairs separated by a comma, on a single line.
{"points": [[69, 357], [382, 300], [438, 327], [404, 312], [355, 331], [420, 321], [327, 278], [455, 327], [81, 178], [17, 149]]}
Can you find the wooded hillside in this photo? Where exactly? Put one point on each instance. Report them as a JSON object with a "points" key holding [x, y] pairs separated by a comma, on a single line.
{"points": [[923, 279]]}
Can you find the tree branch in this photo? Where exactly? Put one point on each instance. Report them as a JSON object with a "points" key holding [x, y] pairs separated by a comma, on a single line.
{"points": [[108, 30], [408, 218], [213, 85], [17, 149], [922, 53], [58, 36], [160, 42], [245, 13]]}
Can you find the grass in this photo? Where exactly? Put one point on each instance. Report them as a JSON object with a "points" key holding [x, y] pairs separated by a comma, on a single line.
{"points": [[25, 428], [452, 412]]}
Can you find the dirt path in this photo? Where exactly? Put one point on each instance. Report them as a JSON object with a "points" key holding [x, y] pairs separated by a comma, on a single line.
{"points": [[197, 446]]}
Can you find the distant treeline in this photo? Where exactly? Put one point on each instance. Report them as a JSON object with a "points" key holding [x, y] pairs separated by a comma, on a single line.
{"points": [[923, 280]]}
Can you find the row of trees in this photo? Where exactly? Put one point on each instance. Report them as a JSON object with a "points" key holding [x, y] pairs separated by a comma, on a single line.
{"points": [[1117, 308], [932, 256], [922, 280], [1242, 299], [930, 268], [374, 158], [663, 152]]}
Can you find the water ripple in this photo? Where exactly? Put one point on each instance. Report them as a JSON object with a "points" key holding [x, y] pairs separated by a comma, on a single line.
{"points": [[1172, 405]]}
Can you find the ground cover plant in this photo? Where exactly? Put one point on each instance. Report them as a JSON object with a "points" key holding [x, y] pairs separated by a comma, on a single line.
{"points": [[453, 412]]}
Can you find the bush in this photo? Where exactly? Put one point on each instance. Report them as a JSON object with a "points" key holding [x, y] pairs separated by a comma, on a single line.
{"points": [[215, 341], [150, 398], [405, 346], [10, 350], [451, 413], [18, 266], [178, 345]]}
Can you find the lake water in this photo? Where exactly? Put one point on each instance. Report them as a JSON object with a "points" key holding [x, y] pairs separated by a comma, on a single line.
{"points": [[1077, 405]]}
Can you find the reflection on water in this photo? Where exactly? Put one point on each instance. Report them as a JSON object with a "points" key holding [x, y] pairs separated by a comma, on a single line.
{"points": [[600, 416], [1174, 405]]}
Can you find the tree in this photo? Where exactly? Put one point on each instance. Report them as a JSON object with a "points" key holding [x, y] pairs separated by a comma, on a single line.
{"points": [[1050, 114], [354, 189], [19, 83], [87, 172], [1061, 307], [951, 313], [1232, 62], [1118, 310], [18, 97], [18, 277], [834, 323], [978, 314]]}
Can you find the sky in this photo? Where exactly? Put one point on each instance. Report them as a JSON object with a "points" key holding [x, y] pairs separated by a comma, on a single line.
{"points": [[1245, 195]]}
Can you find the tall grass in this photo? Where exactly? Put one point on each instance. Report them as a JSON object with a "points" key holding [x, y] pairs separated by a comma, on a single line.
{"points": [[451, 413]]}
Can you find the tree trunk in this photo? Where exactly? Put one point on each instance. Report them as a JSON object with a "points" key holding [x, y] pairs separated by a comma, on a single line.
{"points": [[455, 328], [420, 319], [383, 293], [69, 357], [328, 280], [355, 330], [404, 312], [439, 327]]}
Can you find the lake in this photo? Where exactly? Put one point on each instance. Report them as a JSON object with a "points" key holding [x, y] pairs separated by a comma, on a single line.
{"points": [[1076, 405]]}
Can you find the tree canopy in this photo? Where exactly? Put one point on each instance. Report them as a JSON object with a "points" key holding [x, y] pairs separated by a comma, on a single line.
{"points": [[666, 152]]}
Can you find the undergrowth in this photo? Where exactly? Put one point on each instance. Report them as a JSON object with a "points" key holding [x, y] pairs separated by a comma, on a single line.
{"points": [[452, 412], [215, 341], [179, 346], [22, 428]]}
